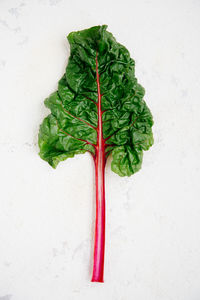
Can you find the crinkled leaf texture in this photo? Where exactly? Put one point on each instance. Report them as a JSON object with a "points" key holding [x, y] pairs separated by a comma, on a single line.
{"points": [[71, 128]]}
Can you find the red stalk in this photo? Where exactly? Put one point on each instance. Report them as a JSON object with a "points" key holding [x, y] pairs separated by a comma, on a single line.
{"points": [[99, 161]]}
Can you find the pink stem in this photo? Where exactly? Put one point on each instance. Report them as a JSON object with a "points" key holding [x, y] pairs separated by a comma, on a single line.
{"points": [[99, 245], [99, 160]]}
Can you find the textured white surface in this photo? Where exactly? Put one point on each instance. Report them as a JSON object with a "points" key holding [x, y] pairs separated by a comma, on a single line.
{"points": [[46, 215]]}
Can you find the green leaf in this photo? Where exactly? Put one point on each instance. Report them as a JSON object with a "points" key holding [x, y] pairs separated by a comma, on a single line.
{"points": [[72, 126]]}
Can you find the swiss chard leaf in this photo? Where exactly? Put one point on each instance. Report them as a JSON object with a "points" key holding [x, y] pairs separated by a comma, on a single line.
{"points": [[98, 108]]}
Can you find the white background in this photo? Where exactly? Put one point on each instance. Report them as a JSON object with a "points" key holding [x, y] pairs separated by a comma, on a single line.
{"points": [[46, 215]]}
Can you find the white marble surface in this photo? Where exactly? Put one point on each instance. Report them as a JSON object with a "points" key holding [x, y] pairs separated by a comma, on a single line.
{"points": [[46, 215]]}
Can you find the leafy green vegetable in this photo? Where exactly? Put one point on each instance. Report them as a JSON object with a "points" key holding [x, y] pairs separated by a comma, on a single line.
{"points": [[98, 108]]}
